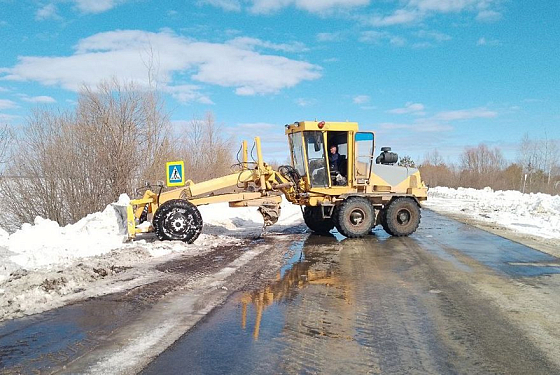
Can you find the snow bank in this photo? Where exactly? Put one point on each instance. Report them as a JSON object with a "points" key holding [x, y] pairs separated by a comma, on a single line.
{"points": [[534, 214], [45, 242], [43, 265]]}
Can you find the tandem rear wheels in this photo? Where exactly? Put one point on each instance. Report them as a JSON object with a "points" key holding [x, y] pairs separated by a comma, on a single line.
{"points": [[401, 217], [353, 218], [356, 216]]}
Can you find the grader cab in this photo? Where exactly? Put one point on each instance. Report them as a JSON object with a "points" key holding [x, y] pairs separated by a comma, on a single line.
{"points": [[334, 175]]}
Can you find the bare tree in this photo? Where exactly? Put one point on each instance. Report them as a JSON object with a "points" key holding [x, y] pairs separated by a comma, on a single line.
{"points": [[539, 159], [69, 164], [207, 151], [6, 138]]}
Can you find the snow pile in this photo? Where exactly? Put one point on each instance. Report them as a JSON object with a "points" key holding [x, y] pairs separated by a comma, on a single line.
{"points": [[45, 242], [43, 265], [534, 214]]}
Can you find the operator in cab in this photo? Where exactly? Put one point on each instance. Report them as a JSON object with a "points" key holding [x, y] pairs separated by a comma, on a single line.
{"points": [[337, 165]]}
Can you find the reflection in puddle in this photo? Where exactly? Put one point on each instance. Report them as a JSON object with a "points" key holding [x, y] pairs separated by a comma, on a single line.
{"points": [[297, 277], [304, 268]]}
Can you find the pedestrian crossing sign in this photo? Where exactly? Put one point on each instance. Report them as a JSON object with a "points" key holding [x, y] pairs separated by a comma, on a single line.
{"points": [[175, 173]]}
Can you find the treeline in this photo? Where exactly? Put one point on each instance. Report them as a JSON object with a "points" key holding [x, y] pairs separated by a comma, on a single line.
{"points": [[65, 164], [536, 169]]}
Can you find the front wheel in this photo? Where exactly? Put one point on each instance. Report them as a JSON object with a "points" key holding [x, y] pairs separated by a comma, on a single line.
{"points": [[402, 217], [314, 220], [355, 217], [178, 219]]}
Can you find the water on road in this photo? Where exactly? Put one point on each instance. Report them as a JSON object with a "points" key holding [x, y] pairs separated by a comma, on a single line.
{"points": [[378, 305]]}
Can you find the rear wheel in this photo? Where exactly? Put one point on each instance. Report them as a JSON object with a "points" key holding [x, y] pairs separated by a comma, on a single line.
{"points": [[355, 217], [314, 220], [177, 219], [402, 217]]}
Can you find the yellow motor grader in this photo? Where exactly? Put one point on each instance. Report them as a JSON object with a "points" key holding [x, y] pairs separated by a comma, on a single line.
{"points": [[354, 196]]}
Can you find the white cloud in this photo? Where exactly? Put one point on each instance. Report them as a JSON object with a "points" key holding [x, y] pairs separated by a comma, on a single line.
{"points": [[435, 35], [303, 102], [488, 42], [188, 93], [7, 104], [124, 53], [488, 16], [418, 126], [329, 37], [420, 45], [361, 99], [444, 6], [227, 5], [38, 99], [415, 11], [48, 12], [8, 118], [251, 43], [465, 114], [271, 6], [377, 37], [96, 6], [414, 108], [399, 17]]}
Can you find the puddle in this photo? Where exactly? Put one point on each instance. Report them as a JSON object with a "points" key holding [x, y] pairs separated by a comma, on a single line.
{"points": [[44, 342], [498, 253], [250, 321], [328, 311]]}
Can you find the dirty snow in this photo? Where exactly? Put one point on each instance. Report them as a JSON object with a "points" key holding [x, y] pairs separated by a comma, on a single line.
{"points": [[43, 265], [533, 214]]}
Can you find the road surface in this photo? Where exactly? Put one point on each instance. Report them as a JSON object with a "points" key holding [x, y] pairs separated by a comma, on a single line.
{"points": [[450, 299]]}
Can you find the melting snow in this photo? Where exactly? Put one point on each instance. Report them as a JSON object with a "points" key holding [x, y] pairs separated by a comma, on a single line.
{"points": [[534, 214], [43, 263]]}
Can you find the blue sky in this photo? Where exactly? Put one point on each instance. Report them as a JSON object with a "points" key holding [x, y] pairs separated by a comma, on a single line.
{"points": [[423, 74]]}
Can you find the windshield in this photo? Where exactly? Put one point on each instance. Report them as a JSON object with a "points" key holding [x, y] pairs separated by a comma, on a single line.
{"points": [[317, 164], [296, 146]]}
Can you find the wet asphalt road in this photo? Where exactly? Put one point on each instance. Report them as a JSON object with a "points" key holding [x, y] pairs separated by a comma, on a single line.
{"points": [[432, 303], [450, 299]]}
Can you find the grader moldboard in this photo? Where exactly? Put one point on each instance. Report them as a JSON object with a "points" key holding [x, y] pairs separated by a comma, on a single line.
{"points": [[364, 192]]}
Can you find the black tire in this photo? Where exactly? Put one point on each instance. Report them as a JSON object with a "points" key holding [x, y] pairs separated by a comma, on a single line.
{"points": [[315, 221], [402, 217], [355, 217], [177, 219]]}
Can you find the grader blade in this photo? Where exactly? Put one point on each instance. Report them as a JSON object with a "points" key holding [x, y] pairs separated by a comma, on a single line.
{"points": [[270, 213]]}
